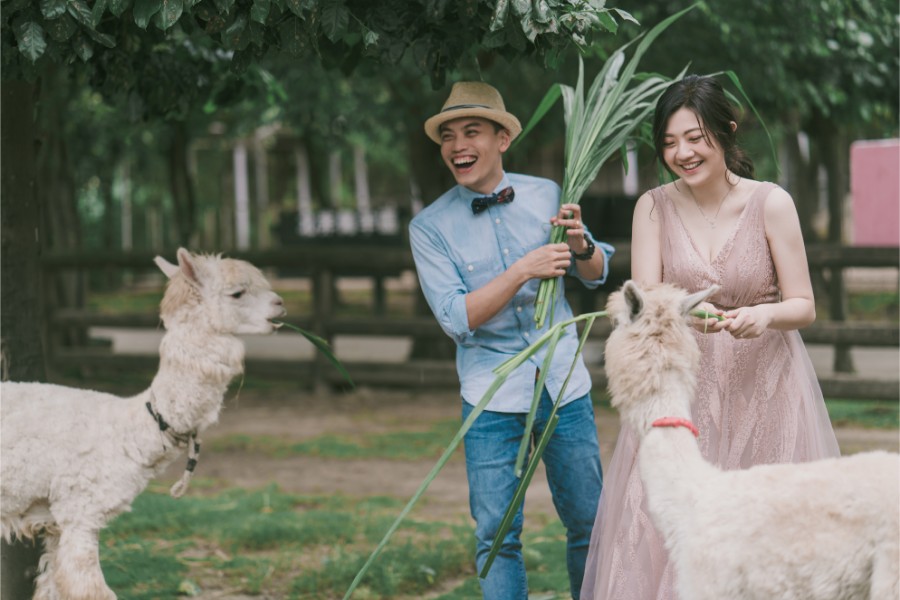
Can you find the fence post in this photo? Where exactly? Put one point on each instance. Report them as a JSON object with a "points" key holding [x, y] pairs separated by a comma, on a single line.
{"points": [[323, 283], [837, 297]]}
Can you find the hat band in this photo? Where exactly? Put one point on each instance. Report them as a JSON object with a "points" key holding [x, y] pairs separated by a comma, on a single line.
{"points": [[462, 106]]}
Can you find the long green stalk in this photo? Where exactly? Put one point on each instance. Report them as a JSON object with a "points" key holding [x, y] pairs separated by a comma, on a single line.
{"points": [[323, 347], [598, 124], [552, 420], [551, 336]]}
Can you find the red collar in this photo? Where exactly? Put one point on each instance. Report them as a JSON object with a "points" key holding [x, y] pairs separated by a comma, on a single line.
{"points": [[676, 422]]}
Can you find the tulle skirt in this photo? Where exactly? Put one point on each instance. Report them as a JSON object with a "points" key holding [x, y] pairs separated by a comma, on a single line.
{"points": [[758, 402]]}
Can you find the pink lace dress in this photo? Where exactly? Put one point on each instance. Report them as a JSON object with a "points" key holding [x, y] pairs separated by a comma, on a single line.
{"points": [[758, 401]]}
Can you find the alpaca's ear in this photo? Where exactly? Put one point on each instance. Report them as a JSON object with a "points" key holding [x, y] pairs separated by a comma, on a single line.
{"points": [[166, 267], [691, 302], [186, 263], [634, 299]]}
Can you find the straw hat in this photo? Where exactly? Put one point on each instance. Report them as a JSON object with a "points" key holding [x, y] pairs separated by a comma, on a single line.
{"points": [[473, 99]]}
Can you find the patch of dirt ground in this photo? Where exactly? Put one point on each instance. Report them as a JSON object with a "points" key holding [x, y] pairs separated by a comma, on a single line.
{"points": [[298, 415]]}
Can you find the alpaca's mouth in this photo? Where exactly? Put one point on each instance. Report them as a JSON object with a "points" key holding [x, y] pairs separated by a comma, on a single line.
{"points": [[276, 324]]}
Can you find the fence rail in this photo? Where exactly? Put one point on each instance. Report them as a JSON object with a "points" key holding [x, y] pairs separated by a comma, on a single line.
{"points": [[325, 265]]}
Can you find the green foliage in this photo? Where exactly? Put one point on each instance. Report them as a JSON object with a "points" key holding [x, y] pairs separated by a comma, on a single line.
{"points": [[396, 445], [143, 567], [798, 60], [339, 32], [857, 413], [161, 548]]}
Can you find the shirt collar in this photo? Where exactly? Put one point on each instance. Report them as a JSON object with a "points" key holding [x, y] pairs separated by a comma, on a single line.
{"points": [[468, 195]]}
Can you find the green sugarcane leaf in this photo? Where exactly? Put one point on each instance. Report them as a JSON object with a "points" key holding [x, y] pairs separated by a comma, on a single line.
{"points": [[737, 83], [535, 401], [552, 421], [702, 314], [323, 347], [544, 106], [518, 496], [597, 126], [460, 434]]}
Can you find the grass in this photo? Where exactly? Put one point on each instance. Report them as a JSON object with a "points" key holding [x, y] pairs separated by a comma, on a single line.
{"points": [[396, 445], [859, 413], [268, 541], [874, 306], [302, 547]]}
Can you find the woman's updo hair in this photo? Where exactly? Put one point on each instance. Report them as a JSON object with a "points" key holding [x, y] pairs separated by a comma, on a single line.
{"points": [[706, 98]]}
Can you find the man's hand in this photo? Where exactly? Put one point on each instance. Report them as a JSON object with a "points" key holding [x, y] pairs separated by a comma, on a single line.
{"points": [[545, 262], [570, 217]]}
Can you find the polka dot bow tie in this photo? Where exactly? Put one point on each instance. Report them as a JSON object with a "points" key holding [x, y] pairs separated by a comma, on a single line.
{"points": [[482, 202]]}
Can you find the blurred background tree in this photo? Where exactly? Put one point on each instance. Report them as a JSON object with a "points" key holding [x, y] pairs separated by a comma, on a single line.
{"points": [[144, 124]]}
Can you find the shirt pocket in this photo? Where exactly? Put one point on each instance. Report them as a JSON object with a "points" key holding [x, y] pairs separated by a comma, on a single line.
{"points": [[478, 272]]}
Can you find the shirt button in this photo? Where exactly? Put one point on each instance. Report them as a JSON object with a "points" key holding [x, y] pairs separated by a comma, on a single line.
{"points": [[519, 309], [497, 221], [526, 334], [506, 251], [470, 268]]}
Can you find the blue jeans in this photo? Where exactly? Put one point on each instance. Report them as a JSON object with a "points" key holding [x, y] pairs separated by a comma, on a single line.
{"points": [[572, 461]]}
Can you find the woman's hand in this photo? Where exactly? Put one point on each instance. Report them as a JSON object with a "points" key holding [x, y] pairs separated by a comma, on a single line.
{"points": [[748, 321], [710, 325], [570, 217]]}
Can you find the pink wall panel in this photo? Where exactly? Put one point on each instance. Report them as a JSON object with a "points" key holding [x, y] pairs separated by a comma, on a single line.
{"points": [[875, 191]]}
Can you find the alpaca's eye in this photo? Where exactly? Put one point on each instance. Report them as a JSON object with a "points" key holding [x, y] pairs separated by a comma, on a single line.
{"points": [[237, 294]]}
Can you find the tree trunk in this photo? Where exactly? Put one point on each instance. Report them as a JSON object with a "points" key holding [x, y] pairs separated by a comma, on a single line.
{"points": [[22, 320], [61, 224], [835, 158], [182, 185]]}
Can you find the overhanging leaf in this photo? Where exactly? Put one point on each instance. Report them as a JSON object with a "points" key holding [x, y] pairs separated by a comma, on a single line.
{"points": [[144, 11], [117, 7], [30, 40], [169, 13], [335, 18], [52, 9], [259, 12], [80, 12]]}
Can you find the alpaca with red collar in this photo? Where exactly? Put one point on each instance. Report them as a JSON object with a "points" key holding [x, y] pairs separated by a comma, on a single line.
{"points": [[72, 459], [824, 530]]}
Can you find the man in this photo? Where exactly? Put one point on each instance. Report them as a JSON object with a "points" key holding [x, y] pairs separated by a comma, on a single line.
{"points": [[481, 251]]}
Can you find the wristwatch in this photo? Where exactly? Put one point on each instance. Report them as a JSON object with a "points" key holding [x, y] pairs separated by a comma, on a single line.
{"points": [[588, 253]]}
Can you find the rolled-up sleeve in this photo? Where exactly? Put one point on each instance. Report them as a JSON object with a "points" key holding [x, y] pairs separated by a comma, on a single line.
{"points": [[608, 252], [443, 287]]}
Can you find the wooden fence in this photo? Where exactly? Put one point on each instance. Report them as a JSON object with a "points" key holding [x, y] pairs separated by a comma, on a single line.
{"points": [[324, 265]]}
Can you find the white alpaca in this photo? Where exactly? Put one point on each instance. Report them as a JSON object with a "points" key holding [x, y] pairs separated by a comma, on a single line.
{"points": [[824, 530], [72, 459]]}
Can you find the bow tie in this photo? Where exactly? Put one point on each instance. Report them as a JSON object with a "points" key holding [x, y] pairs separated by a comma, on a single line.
{"points": [[482, 202]]}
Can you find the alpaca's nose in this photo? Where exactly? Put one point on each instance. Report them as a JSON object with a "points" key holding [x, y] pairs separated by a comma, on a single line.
{"points": [[279, 301]]}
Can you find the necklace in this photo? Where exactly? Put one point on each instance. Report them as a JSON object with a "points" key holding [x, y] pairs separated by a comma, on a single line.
{"points": [[712, 222]]}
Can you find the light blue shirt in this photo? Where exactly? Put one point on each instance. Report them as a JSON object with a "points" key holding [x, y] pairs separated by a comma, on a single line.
{"points": [[457, 252]]}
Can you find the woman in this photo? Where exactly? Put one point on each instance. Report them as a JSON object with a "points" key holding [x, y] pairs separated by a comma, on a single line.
{"points": [[758, 400]]}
